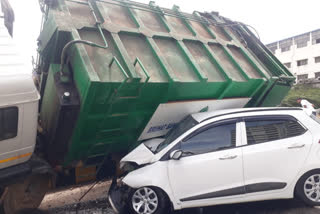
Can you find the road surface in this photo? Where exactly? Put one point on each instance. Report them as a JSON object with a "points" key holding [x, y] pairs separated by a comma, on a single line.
{"points": [[66, 201]]}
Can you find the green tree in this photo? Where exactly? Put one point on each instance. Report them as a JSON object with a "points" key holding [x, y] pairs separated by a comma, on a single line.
{"points": [[302, 91]]}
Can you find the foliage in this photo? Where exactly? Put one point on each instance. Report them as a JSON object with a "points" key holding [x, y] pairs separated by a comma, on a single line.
{"points": [[302, 91]]}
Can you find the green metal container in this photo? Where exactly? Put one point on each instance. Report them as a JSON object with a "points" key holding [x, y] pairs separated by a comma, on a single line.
{"points": [[146, 56]]}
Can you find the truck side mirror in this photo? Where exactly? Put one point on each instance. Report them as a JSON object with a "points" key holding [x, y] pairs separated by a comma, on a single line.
{"points": [[176, 154]]}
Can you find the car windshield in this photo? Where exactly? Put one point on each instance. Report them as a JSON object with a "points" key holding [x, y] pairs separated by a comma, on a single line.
{"points": [[184, 125], [314, 117]]}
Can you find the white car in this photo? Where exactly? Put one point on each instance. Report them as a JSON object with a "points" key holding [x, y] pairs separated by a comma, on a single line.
{"points": [[222, 157]]}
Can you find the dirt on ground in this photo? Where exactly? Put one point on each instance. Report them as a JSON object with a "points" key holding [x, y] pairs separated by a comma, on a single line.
{"points": [[66, 201], [75, 195]]}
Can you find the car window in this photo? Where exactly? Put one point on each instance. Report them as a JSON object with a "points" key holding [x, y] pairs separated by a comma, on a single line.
{"points": [[8, 123], [211, 139], [270, 130]]}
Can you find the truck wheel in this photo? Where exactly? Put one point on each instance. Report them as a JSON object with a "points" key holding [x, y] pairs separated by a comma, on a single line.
{"points": [[26, 195]]}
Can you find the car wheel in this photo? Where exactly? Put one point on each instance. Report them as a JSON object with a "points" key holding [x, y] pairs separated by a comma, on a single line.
{"points": [[148, 200], [308, 188]]}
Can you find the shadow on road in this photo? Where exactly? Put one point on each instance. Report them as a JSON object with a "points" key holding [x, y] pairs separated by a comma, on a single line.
{"points": [[266, 207]]}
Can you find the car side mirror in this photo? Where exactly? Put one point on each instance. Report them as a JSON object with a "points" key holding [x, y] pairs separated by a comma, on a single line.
{"points": [[176, 154]]}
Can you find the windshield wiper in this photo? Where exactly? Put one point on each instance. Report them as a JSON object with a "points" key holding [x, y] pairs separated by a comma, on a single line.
{"points": [[149, 147], [159, 146]]}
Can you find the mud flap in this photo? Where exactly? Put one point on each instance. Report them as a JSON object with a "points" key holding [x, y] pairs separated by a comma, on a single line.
{"points": [[118, 197]]}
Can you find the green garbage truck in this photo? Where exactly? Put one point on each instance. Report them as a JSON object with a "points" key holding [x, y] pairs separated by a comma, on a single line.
{"points": [[112, 73]]}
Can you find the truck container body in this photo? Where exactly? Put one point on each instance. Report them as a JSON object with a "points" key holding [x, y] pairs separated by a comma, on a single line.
{"points": [[108, 69]]}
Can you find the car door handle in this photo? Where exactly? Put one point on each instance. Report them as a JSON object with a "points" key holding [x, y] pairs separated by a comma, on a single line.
{"points": [[228, 157], [296, 146]]}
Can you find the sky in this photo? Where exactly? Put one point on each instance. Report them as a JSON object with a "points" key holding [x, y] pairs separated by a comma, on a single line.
{"points": [[273, 19]]}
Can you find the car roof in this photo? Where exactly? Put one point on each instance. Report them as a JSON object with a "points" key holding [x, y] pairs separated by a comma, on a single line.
{"points": [[208, 115]]}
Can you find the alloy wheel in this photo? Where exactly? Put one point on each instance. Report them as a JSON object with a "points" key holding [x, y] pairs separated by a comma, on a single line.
{"points": [[145, 201], [312, 188]]}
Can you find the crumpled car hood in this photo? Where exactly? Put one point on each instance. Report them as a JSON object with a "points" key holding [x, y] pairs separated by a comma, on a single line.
{"points": [[142, 154]]}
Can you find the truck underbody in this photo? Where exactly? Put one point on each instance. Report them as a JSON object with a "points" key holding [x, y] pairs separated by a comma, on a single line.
{"points": [[23, 186]]}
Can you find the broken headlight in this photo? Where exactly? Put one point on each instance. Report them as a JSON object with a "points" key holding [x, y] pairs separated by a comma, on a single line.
{"points": [[128, 166]]}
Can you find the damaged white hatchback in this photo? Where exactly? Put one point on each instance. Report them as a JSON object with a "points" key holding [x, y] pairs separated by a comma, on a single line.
{"points": [[229, 156]]}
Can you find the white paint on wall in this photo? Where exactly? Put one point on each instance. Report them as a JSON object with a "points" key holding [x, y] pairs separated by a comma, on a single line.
{"points": [[295, 54]]}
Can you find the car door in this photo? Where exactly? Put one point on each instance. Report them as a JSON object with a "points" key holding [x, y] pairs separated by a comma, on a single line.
{"points": [[277, 147], [211, 167]]}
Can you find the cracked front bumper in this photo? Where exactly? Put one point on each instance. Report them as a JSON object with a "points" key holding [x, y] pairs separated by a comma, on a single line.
{"points": [[118, 197]]}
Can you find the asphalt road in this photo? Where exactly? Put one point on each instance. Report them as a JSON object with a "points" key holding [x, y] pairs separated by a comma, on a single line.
{"points": [[66, 201], [268, 207]]}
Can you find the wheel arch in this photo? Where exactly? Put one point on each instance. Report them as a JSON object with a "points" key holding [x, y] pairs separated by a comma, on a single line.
{"points": [[152, 177], [300, 179], [171, 199], [170, 205]]}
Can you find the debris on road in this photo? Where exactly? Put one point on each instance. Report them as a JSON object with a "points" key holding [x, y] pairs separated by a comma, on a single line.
{"points": [[69, 198]]}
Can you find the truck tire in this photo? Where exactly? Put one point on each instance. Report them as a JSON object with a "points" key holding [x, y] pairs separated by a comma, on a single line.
{"points": [[26, 195]]}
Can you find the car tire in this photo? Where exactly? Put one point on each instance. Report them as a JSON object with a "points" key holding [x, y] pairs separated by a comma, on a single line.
{"points": [[148, 200], [308, 188]]}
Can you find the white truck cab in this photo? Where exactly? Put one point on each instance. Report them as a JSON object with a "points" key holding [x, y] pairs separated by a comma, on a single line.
{"points": [[18, 105], [24, 177]]}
